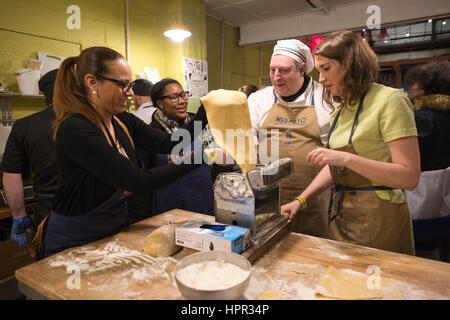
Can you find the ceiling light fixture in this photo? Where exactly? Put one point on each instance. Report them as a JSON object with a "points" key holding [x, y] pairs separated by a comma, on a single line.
{"points": [[177, 31]]}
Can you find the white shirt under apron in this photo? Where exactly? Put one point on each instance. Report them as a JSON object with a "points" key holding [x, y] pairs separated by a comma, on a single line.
{"points": [[261, 102]]}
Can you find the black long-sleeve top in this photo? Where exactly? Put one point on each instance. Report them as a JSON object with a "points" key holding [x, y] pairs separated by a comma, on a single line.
{"points": [[30, 146], [433, 128], [90, 169]]}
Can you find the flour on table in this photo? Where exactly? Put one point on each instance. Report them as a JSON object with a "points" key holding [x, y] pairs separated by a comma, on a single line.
{"points": [[331, 252], [91, 259], [128, 270], [294, 280], [413, 292]]}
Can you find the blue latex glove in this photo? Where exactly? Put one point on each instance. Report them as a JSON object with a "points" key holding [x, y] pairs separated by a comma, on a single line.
{"points": [[19, 230]]}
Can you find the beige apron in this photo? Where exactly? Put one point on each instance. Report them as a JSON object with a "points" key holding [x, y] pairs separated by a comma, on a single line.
{"points": [[358, 215], [298, 135]]}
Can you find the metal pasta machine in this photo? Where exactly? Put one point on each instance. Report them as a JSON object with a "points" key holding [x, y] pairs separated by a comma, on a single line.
{"points": [[253, 200]]}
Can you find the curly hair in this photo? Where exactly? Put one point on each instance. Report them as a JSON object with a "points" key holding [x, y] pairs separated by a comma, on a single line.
{"points": [[358, 64], [432, 78], [158, 89]]}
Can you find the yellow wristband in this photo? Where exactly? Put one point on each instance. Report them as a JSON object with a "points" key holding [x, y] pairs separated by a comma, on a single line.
{"points": [[302, 200]]}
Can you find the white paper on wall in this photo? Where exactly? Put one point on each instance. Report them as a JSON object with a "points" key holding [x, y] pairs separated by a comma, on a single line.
{"points": [[195, 77], [49, 61], [151, 74]]}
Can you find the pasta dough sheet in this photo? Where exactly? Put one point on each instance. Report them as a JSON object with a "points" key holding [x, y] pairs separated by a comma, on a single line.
{"points": [[273, 295], [229, 121], [351, 286]]}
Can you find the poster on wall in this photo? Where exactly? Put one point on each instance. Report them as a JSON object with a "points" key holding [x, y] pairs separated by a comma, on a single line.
{"points": [[195, 77], [151, 74]]}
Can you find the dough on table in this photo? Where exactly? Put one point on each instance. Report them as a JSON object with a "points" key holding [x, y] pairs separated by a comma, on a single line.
{"points": [[352, 286], [273, 295], [228, 109], [161, 242]]}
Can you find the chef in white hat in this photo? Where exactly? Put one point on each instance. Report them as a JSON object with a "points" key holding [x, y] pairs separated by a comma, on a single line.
{"points": [[293, 105]]}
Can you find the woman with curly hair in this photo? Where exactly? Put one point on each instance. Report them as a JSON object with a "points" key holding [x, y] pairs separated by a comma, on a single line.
{"points": [[194, 191], [430, 95], [372, 150], [429, 202]]}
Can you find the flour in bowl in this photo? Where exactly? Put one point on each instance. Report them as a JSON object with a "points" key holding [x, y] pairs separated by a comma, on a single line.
{"points": [[212, 275]]}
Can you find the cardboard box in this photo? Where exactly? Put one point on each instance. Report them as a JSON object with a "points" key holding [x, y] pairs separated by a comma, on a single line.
{"points": [[230, 239], [13, 257]]}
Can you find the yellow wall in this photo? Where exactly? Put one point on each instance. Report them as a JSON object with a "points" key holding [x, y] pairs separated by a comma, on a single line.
{"points": [[29, 26], [214, 43], [241, 64]]}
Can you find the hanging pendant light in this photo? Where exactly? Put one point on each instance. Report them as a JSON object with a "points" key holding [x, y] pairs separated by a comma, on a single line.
{"points": [[383, 36], [177, 31]]}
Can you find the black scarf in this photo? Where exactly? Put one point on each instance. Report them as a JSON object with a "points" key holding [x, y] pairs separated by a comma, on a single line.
{"points": [[170, 126]]}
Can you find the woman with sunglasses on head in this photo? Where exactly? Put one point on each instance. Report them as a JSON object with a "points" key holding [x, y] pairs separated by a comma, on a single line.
{"points": [[95, 144], [193, 192], [372, 150]]}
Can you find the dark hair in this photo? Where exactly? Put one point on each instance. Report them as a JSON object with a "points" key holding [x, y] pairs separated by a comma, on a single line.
{"points": [[142, 87], [47, 84], [158, 89], [359, 65], [71, 94], [248, 89], [432, 78]]}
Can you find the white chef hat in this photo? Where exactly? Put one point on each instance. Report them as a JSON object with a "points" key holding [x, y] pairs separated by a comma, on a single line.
{"points": [[296, 50]]}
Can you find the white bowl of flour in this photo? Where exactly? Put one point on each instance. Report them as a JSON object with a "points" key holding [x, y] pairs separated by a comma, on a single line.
{"points": [[213, 275]]}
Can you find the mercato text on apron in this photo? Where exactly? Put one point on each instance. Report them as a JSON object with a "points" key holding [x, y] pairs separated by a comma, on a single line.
{"points": [[298, 134]]}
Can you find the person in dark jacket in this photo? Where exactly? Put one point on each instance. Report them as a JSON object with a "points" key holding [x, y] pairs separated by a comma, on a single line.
{"points": [[95, 144], [430, 95], [193, 192], [30, 148], [429, 203], [140, 204]]}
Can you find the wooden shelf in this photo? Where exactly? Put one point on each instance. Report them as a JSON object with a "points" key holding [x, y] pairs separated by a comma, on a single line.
{"points": [[10, 95]]}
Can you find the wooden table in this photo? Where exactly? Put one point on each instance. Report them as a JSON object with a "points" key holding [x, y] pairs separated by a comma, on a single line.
{"points": [[117, 268]]}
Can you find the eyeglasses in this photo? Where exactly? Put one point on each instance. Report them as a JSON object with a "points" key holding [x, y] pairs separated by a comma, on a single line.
{"points": [[175, 96], [126, 85]]}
